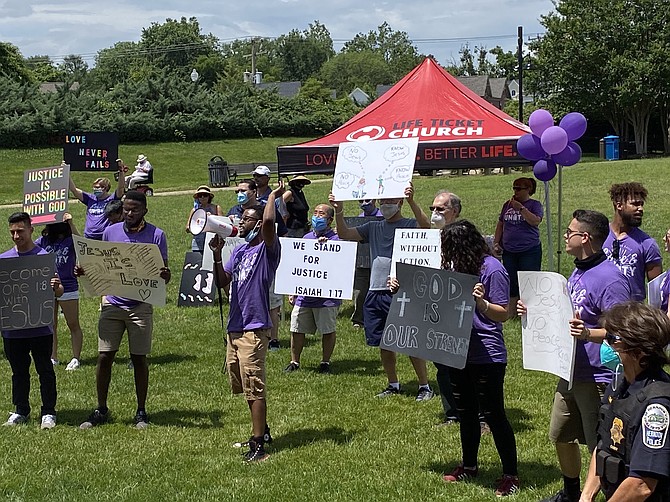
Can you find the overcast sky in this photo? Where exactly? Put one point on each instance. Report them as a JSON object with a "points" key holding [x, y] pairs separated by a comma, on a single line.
{"points": [[72, 27]]}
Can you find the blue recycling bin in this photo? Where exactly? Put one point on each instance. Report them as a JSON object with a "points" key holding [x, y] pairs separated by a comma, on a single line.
{"points": [[611, 147]]}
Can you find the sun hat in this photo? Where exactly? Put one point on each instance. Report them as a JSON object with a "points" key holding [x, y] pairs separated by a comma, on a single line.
{"points": [[300, 178], [203, 190], [141, 158]]}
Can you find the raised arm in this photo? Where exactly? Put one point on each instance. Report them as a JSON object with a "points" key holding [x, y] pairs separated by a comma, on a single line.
{"points": [[268, 231], [343, 231], [67, 217], [121, 184], [419, 215], [75, 191]]}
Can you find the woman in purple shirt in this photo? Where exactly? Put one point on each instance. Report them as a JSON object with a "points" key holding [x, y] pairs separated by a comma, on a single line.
{"points": [[479, 385], [517, 235]]}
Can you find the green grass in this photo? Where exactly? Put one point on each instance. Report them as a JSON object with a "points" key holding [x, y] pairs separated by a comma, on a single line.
{"points": [[333, 439]]}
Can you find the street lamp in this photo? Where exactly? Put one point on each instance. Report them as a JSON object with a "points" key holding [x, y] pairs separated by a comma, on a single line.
{"points": [[194, 76]]}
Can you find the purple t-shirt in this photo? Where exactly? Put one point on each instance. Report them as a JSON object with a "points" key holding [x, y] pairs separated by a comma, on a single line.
{"points": [[96, 221], [311, 301], [148, 235], [594, 291], [518, 235], [29, 332], [665, 292], [66, 259], [486, 339], [252, 269], [636, 251]]}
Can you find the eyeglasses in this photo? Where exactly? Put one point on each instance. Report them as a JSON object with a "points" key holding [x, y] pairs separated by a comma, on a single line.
{"points": [[440, 209], [612, 338], [516, 189], [616, 248], [570, 232], [244, 219]]}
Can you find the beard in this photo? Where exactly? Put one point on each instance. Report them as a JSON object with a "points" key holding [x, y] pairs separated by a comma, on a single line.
{"points": [[631, 220]]}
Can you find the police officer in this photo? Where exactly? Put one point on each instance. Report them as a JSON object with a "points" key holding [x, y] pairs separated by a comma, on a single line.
{"points": [[632, 458]]}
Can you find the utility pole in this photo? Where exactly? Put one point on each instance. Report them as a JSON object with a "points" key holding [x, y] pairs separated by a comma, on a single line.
{"points": [[520, 63], [253, 57]]}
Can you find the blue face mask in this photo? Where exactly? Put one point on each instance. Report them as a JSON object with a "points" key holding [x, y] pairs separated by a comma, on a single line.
{"points": [[252, 235], [98, 192], [242, 197], [319, 223], [609, 357]]}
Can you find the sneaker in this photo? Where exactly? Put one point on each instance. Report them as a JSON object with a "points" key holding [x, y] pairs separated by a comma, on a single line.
{"points": [[293, 366], [447, 422], [72, 365], [94, 419], [267, 439], [424, 394], [256, 451], [324, 367], [388, 391], [55, 362], [48, 422], [460, 473], [15, 419], [130, 364], [508, 485], [561, 496], [141, 420], [484, 428], [274, 345], [357, 325]]}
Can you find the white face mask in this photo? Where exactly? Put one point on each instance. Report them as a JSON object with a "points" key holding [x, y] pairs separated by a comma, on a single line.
{"points": [[437, 220], [389, 210]]}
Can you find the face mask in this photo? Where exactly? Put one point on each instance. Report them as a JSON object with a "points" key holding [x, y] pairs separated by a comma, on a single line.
{"points": [[389, 210], [252, 235], [437, 220], [98, 191], [319, 223], [364, 204], [242, 197], [608, 357]]}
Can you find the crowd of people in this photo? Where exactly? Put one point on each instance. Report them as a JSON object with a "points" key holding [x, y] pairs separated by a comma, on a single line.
{"points": [[618, 403]]}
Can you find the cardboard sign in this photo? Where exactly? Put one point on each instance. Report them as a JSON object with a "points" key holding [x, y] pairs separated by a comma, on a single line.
{"points": [[311, 268], [27, 297], [655, 290], [125, 269], [197, 286], [91, 151], [545, 330], [416, 246], [431, 315], [45, 193], [374, 169]]}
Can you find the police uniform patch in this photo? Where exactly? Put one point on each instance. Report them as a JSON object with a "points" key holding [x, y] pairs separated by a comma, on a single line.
{"points": [[655, 423], [616, 433]]}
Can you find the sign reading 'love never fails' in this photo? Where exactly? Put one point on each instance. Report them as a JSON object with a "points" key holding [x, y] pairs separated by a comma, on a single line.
{"points": [[129, 270]]}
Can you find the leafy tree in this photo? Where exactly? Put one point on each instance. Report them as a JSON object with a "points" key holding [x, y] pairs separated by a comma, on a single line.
{"points": [[116, 64], [364, 69], [12, 64], [43, 69], [302, 53], [74, 68]]}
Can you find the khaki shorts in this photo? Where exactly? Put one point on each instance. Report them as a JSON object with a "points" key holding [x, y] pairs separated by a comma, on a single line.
{"points": [[245, 359], [114, 321], [275, 299], [308, 320], [574, 414]]}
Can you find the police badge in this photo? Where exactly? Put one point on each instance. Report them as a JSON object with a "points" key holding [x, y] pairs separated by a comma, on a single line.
{"points": [[616, 433]]}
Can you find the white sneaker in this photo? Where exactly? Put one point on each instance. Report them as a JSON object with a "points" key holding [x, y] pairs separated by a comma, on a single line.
{"points": [[72, 365], [15, 419], [55, 362], [48, 422]]}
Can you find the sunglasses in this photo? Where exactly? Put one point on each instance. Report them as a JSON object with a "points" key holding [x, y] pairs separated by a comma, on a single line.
{"points": [[440, 209], [616, 248], [516, 189], [612, 338]]}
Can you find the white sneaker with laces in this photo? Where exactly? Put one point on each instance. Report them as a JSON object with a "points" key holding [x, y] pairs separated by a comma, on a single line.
{"points": [[55, 362], [48, 422], [15, 419], [72, 365]]}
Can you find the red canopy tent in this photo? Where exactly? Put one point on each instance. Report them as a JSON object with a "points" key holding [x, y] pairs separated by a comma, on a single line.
{"points": [[456, 128]]}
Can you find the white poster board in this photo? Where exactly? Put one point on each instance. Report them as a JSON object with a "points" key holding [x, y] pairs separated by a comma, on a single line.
{"points": [[654, 296], [416, 246], [311, 268], [129, 270], [545, 330], [380, 169], [229, 244]]}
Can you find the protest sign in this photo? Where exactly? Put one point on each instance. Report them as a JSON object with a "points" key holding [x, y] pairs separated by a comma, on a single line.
{"points": [[545, 330], [126, 269], [654, 290], [91, 151], [416, 246], [27, 296], [374, 169], [45, 193], [431, 315], [363, 253], [197, 286], [229, 244], [311, 268]]}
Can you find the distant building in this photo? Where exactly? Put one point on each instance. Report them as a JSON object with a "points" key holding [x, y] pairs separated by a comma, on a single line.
{"points": [[359, 96], [52, 87], [513, 86]]}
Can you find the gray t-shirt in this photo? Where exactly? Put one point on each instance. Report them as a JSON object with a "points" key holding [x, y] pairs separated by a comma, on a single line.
{"points": [[380, 235]]}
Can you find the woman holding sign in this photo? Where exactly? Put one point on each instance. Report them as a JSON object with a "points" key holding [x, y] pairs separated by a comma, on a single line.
{"points": [[479, 385]]}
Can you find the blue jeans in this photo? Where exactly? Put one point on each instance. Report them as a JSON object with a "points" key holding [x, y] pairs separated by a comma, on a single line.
{"points": [[530, 259]]}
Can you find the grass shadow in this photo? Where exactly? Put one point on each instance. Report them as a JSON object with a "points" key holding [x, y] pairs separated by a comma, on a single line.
{"points": [[124, 359], [542, 474], [171, 417], [302, 437], [363, 367]]}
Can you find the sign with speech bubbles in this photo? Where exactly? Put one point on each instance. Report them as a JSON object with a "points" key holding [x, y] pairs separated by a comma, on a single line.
{"points": [[379, 169]]}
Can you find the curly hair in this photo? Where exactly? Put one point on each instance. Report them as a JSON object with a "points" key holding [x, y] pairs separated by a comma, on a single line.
{"points": [[463, 248], [643, 329], [621, 192]]}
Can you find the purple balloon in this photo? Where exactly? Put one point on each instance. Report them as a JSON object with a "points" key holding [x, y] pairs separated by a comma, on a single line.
{"points": [[545, 170], [574, 125], [539, 121], [569, 156], [529, 147], [554, 140]]}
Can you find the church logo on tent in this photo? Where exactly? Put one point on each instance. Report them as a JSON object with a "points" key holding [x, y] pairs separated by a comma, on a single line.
{"points": [[366, 133]]}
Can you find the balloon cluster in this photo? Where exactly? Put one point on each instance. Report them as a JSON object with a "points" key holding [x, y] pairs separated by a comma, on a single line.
{"points": [[549, 145]]}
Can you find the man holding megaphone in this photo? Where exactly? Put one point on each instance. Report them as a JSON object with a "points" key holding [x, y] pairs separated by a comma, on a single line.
{"points": [[250, 271]]}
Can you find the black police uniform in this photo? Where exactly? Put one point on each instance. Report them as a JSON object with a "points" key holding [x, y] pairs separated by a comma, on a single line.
{"points": [[633, 434]]}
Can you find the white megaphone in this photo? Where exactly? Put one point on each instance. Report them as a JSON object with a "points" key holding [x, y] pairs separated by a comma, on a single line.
{"points": [[201, 222]]}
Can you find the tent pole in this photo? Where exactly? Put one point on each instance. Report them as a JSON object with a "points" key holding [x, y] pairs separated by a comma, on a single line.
{"points": [[547, 211], [560, 212]]}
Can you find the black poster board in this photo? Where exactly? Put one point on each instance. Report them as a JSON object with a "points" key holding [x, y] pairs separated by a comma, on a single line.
{"points": [[91, 151], [431, 315], [197, 288], [27, 299], [45, 193]]}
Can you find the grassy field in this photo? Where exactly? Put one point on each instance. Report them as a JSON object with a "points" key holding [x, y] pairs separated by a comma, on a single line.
{"points": [[333, 439]]}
